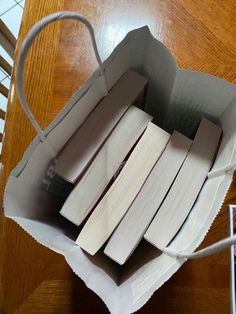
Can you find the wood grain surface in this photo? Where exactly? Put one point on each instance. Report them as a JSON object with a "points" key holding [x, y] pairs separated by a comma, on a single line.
{"points": [[201, 35]]}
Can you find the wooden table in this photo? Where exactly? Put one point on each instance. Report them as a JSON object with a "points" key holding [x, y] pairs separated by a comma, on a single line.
{"points": [[202, 37]]}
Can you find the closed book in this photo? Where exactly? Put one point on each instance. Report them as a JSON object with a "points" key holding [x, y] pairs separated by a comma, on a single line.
{"points": [[113, 206], [188, 183], [141, 212], [105, 165], [85, 143]]}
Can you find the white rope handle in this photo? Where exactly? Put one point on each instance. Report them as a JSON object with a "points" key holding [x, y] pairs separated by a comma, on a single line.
{"points": [[32, 34], [221, 171], [210, 250]]}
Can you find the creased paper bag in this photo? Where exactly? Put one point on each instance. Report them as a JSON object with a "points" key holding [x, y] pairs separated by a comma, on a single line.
{"points": [[178, 99]]}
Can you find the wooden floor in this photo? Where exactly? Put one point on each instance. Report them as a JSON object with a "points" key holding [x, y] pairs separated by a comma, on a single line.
{"points": [[202, 37]]}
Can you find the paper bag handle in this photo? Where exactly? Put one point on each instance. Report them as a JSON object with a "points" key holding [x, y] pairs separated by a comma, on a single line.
{"points": [[207, 251], [32, 34]]}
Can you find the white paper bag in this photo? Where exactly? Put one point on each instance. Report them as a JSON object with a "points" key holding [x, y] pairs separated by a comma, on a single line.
{"points": [[178, 99]]}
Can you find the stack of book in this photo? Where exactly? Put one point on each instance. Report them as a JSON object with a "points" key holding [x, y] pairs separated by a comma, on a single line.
{"points": [[131, 179]]}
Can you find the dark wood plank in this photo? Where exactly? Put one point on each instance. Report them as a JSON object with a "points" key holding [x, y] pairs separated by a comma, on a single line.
{"points": [[2, 114], [3, 90], [7, 39], [5, 65]]}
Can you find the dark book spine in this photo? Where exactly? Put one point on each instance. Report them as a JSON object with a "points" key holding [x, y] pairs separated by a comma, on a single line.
{"points": [[56, 186]]}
